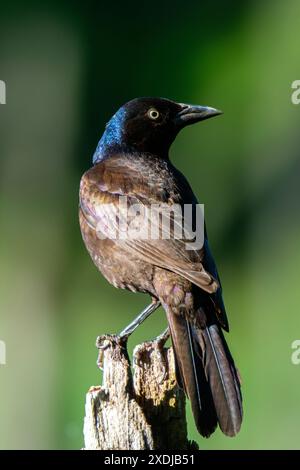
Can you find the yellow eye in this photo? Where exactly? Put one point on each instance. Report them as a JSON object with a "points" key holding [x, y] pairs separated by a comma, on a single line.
{"points": [[153, 113]]}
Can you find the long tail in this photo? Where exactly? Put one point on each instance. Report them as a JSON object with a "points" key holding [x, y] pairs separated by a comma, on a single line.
{"points": [[206, 371]]}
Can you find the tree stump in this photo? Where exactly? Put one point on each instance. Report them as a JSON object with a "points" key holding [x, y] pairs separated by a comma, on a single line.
{"points": [[139, 409]]}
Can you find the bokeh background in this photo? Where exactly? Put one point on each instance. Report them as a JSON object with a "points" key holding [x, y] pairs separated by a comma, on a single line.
{"points": [[68, 66]]}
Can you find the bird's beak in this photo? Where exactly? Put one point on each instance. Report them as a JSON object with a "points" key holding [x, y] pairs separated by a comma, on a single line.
{"points": [[189, 114]]}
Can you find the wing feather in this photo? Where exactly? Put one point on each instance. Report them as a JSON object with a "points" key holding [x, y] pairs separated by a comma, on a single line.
{"points": [[100, 191]]}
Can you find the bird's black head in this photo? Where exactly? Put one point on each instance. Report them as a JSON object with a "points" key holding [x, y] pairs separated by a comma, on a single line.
{"points": [[148, 125]]}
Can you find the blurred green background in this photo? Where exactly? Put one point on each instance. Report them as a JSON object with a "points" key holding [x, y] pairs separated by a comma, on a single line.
{"points": [[68, 66]]}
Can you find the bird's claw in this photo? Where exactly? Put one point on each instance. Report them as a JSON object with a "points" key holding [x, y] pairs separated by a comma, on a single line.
{"points": [[158, 344], [161, 341], [106, 341], [162, 338]]}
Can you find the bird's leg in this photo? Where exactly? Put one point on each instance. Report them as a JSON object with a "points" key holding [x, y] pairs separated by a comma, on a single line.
{"points": [[124, 335], [104, 341], [161, 341], [157, 345], [162, 338]]}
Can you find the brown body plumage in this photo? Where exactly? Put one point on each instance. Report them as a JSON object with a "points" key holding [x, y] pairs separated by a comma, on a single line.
{"points": [[185, 281]]}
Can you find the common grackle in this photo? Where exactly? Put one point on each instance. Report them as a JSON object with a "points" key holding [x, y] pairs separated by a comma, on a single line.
{"points": [[132, 162]]}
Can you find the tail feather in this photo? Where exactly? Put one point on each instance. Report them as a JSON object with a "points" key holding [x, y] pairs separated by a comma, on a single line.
{"points": [[191, 375], [207, 373], [223, 380]]}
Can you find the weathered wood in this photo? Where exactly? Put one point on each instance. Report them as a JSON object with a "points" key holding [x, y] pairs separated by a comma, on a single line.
{"points": [[135, 410]]}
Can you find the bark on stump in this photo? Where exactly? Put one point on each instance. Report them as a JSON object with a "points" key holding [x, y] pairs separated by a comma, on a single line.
{"points": [[139, 409]]}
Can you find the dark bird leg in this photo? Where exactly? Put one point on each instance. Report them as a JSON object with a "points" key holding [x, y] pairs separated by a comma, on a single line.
{"points": [[124, 335], [162, 338], [105, 341]]}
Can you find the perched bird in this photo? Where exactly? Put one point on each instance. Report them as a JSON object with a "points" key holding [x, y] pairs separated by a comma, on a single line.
{"points": [[132, 161]]}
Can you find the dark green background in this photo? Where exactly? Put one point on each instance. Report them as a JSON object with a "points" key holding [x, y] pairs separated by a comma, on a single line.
{"points": [[68, 67]]}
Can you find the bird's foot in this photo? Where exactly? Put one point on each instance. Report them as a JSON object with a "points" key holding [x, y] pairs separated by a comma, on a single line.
{"points": [[106, 341], [161, 339], [155, 346]]}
